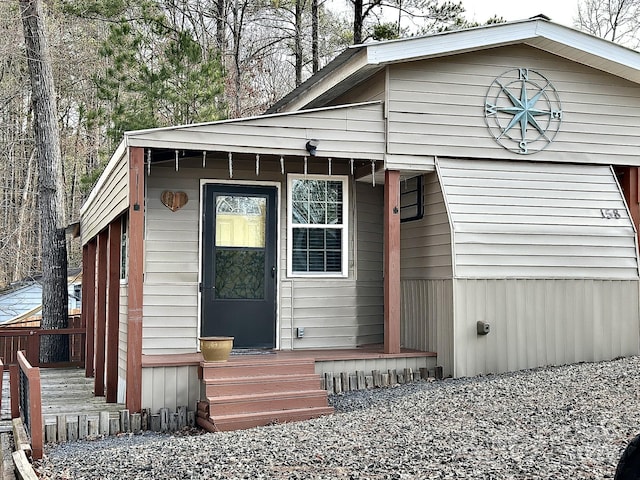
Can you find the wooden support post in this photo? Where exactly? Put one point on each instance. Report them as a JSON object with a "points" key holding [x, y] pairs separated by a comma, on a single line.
{"points": [[630, 183], [103, 427], [51, 433], [113, 310], [72, 429], [61, 423], [92, 426], [182, 416], [191, 419], [135, 279], [14, 390], [136, 422], [101, 314], [154, 423], [114, 426], [83, 426], [89, 303], [164, 419], [124, 421], [391, 261]]}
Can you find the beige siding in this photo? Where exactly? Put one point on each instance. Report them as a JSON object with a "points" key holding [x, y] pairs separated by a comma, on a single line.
{"points": [[427, 318], [335, 312], [425, 245], [343, 313], [370, 90], [436, 108], [122, 344], [540, 220], [540, 322], [345, 132], [170, 387], [108, 200]]}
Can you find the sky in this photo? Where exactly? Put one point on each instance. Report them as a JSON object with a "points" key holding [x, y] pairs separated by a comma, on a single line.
{"points": [[560, 11]]}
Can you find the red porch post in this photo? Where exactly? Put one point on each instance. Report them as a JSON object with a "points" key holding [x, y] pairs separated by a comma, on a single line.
{"points": [[101, 314], [135, 279], [113, 310], [89, 302], [391, 261], [630, 186]]}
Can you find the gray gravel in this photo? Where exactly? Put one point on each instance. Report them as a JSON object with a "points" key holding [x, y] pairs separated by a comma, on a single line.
{"points": [[569, 422]]}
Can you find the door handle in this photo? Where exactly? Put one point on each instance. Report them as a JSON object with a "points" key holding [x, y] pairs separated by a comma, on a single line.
{"points": [[273, 272]]}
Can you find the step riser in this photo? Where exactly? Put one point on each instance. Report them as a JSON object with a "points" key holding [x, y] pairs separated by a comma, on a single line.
{"points": [[228, 389], [231, 371], [275, 405], [278, 417]]}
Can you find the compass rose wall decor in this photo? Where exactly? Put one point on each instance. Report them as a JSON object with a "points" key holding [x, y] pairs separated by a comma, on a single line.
{"points": [[522, 110]]}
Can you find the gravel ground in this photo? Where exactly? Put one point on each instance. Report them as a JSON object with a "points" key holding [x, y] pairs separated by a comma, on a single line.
{"points": [[569, 422]]}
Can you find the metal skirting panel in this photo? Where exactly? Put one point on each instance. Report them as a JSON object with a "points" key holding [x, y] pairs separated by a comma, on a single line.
{"points": [[538, 322], [427, 318], [170, 387]]}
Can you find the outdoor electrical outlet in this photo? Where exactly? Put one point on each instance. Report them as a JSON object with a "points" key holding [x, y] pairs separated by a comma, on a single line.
{"points": [[483, 328], [300, 332]]}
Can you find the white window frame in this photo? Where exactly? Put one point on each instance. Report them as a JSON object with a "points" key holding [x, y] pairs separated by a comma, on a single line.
{"points": [[344, 227]]}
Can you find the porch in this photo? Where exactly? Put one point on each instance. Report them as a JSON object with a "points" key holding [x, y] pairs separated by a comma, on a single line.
{"points": [[260, 387]]}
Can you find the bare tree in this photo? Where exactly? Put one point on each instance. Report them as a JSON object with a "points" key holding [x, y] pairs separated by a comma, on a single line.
{"points": [[615, 20], [51, 184]]}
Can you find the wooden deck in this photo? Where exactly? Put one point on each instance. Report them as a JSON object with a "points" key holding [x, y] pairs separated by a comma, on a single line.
{"points": [[368, 352], [66, 391]]}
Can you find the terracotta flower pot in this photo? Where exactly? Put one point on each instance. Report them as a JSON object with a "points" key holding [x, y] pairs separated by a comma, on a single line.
{"points": [[216, 349]]}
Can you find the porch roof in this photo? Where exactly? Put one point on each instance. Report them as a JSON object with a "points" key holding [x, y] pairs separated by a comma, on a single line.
{"points": [[347, 131]]}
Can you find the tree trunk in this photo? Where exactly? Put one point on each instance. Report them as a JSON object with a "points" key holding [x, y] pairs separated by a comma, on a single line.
{"points": [[357, 21], [315, 55], [54, 348], [298, 41]]}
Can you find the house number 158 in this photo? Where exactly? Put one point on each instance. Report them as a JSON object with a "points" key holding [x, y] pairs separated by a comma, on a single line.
{"points": [[609, 213]]}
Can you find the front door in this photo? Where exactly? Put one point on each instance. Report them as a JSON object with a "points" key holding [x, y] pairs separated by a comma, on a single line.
{"points": [[239, 264]]}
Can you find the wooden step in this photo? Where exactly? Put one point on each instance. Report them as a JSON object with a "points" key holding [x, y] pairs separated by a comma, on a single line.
{"points": [[262, 384], [266, 402], [250, 368], [227, 423]]}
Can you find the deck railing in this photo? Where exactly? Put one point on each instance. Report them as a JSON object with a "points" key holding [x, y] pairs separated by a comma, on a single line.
{"points": [[26, 400], [27, 338]]}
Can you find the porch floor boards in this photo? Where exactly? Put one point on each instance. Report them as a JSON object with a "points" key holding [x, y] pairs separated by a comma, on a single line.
{"points": [[66, 391], [318, 355]]}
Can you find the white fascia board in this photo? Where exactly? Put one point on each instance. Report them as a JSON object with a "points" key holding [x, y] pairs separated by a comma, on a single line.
{"points": [[450, 43], [114, 161], [615, 58]]}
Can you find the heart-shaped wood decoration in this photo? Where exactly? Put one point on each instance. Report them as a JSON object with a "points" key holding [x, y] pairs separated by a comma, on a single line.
{"points": [[174, 201]]}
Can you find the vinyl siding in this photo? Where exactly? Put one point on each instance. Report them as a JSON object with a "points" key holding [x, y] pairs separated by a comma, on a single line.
{"points": [[344, 313], [427, 318], [122, 344], [370, 90], [536, 322], [344, 132], [108, 201], [425, 245], [170, 387], [436, 108], [522, 219], [170, 315]]}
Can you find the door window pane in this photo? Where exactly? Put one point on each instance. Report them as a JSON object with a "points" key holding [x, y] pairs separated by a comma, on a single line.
{"points": [[240, 221]]}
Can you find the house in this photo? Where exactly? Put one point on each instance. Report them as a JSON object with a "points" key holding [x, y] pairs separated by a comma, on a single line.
{"points": [[472, 194], [24, 299]]}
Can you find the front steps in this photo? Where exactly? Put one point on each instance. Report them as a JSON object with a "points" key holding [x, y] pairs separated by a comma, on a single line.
{"points": [[257, 390]]}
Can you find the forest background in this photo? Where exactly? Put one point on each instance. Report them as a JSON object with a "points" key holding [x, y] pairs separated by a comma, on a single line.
{"points": [[123, 65]]}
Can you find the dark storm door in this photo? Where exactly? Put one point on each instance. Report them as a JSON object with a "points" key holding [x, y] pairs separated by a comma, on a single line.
{"points": [[239, 264]]}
